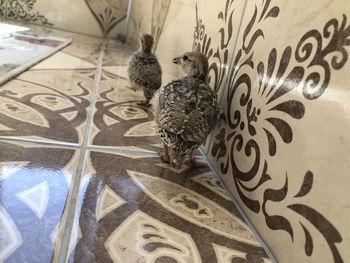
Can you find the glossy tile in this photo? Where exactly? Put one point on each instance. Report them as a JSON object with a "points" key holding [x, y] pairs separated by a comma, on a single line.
{"points": [[50, 101], [133, 208], [82, 46], [118, 120], [283, 147], [20, 50], [34, 184], [46, 104], [98, 18]]}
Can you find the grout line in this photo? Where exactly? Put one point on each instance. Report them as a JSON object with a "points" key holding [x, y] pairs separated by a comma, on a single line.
{"points": [[29, 140], [112, 149], [72, 199], [225, 86], [96, 148], [241, 211]]}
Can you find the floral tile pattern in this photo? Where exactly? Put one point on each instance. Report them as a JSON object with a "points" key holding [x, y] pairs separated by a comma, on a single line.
{"points": [[140, 210], [283, 133], [34, 184], [98, 18], [50, 101]]}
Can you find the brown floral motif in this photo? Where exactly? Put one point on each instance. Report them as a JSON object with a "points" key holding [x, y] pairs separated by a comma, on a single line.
{"points": [[219, 57], [277, 222], [258, 117], [107, 14], [44, 113], [23, 10]]}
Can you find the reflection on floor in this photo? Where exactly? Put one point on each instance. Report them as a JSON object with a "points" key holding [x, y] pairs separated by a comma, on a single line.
{"points": [[80, 180]]}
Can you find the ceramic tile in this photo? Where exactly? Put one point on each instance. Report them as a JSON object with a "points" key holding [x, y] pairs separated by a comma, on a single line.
{"points": [[21, 50], [34, 183], [285, 128], [46, 104], [136, 209], [82, 46], [98, 18], [117, 54], [140, 21], [118, 120], [217, 41]]}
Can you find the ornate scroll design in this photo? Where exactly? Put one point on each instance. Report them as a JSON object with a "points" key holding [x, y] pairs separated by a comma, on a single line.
{"points": [[23, 10], [259, 117]]}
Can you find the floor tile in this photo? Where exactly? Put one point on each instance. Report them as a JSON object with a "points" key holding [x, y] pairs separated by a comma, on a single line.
{"points": [[82, 46], [136, 209], [117, 54], [118, 120], [34, 183], [46, 104]]}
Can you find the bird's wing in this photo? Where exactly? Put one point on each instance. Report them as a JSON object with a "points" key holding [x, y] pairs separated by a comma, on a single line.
{"points": [[146, 71], [186, 113]]}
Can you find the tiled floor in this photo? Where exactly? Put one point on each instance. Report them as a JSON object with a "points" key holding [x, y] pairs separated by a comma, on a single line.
{"points": [[80, 180]]}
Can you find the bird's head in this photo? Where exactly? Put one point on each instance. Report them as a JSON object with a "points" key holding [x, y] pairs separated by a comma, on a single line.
{"points": [[146, 41], [194, 64]]}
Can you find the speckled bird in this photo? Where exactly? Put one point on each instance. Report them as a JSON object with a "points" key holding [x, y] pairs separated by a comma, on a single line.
{"points": [[186, 111], [144, 70]]}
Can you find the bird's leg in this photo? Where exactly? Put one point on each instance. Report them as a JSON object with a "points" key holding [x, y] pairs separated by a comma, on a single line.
{"points": [[145, 104], [148, 95], [164, 154], [191, 162]]}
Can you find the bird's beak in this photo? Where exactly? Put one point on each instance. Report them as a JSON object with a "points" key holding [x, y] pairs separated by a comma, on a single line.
{"points": [[177, 60]]}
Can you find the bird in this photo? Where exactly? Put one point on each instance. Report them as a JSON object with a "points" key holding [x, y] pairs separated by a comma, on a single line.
{"points": [[186, 111], [144, 70]]}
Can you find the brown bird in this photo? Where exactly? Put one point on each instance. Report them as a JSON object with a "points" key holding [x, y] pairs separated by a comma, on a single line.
{"points": [[144, 70], [186, 111]]}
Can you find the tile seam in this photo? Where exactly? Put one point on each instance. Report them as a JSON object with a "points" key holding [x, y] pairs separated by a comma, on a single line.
{"points": [[241, 211], [230, 65], [72, 199]]}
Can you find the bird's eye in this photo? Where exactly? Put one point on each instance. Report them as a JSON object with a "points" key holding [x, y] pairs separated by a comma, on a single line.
{"points": [[185, 57]]}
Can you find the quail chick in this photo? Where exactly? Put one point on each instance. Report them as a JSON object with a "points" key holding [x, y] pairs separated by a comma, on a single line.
{"points": [[186, 111], [144, 70]]}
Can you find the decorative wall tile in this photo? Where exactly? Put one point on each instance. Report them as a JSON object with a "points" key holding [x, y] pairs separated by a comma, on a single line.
{"points": [[278, 144], [119, 121], [24, 11], [109, 14], [96, 17]]}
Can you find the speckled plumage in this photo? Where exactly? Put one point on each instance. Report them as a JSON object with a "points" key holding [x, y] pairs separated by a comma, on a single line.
{"points": [[144, 70], [186, 110]]}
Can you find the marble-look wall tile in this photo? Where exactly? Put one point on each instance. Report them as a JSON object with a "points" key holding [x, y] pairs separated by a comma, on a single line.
{"points": [[282, 148], [101, 18], [140, 21]]}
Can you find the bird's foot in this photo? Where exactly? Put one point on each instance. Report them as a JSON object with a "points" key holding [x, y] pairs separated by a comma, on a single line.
{"points": [[145, 104], [164, 156], [195, 164]]}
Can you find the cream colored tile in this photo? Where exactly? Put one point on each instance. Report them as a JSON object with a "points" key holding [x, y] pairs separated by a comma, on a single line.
{"points": [[63, 61], [283, 149]]}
